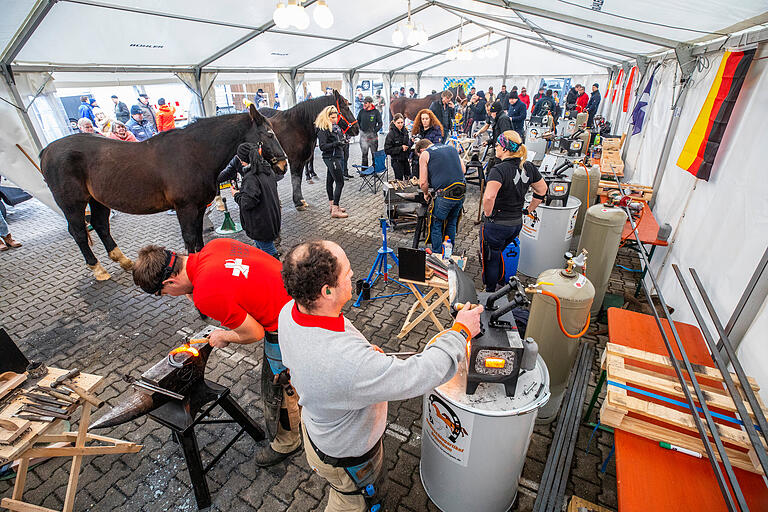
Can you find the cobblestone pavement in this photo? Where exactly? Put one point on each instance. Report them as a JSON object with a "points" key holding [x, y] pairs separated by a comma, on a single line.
{"points": [[51, 305]]}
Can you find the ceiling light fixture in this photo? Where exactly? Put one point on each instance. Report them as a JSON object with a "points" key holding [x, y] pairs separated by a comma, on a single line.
{"points": [[294, 14], [459, 52], [416, 34], [322, 14]]}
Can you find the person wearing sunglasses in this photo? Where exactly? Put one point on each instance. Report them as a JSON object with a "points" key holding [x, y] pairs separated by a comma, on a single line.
{"points": [[506, 185], [241, 287]]}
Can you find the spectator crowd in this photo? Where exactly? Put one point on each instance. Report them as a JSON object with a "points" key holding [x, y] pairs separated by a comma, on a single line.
{"points": [[135, 124]]}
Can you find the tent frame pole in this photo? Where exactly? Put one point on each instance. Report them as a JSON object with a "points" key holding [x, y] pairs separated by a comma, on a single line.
{"points": [[23, 111]]}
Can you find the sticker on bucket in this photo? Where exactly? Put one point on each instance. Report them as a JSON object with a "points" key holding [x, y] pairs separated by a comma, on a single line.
{"points": [[571, 224], [530, 227], [449, 429]]}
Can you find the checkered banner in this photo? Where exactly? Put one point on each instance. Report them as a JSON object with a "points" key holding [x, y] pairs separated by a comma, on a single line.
{"points": [[450, 81]]}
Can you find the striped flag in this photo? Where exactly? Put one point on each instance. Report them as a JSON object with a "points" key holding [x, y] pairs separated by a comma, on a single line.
{"points": [[638, 114], [704, 140], [617, 85], [628, 89]]}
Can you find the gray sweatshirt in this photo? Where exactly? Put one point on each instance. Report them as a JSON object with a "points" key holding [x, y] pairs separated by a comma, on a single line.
{"points": [[344, 384]]}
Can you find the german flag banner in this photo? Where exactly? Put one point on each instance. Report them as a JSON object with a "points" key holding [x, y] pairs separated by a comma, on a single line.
{"points": [[704, 140]]}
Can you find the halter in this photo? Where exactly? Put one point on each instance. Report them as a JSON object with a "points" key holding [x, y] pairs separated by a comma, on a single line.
{"points": [[349, 125]]}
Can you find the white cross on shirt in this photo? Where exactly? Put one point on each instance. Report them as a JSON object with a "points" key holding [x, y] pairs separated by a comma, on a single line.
{"points": [[237, 267]]}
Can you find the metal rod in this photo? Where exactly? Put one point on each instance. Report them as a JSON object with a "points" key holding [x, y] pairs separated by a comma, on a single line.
{"points": [[732, 358], [157, 389], [749, 304], [222, 452], [724, 490], [757, 444]]}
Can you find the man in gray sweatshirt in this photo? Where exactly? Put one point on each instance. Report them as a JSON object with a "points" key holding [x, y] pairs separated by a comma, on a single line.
{"points": [[344, 382]]}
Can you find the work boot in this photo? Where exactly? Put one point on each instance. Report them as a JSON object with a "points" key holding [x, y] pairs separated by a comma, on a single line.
{"points": [[3, 247], [265, 456], [336, 213], [10, 242], [343, 210]]}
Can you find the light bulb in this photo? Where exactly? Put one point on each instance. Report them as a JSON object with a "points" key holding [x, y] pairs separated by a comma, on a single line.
{"points": [[413, 38], [423, 37], [281, 16], [323, 15], [293, 9], [397, 37], [302, 20], [452, 54], [465, 54]]}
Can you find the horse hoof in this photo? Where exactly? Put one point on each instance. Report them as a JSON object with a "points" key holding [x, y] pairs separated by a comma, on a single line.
{"points": [[302, 207], [99, 272], [117, 255], [304, 203]]}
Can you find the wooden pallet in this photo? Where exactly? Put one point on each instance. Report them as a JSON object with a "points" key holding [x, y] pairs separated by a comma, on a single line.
{"points": [[641, 191], [658, 421]]}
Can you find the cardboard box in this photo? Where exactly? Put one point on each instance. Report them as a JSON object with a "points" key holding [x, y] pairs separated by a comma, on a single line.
{"points": [[611, 144]]}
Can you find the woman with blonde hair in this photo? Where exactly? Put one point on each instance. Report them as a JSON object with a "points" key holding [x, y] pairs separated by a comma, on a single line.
{"points": [[506, 185], [330, 140]]}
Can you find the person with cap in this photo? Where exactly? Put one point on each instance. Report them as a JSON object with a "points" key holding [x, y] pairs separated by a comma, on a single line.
{"points": [[241, 287], [120, 132], [140, 127], [412, 93], [506, 186], [147, 111], [257, 196], [444, 111], [369, 121], [503, 97], [85, 110], [524, 98], [545, 103], [517, 115], [344, 382], [165, 116], [538, 96], [593, 104], [276, 103], [122, 113], [441, 170], [260, 99], [499, 123]]}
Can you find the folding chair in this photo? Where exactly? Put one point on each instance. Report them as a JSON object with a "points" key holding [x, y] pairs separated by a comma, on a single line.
{"points": [[374, 175]]}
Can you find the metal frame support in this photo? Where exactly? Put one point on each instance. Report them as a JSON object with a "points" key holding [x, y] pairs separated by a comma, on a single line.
{"points": [[446, 61], [198, 71], [642, 66], [439, 52], [418, 82], [23, 110], [25, 32], [687, 63], [749, 305], [506, 62]]}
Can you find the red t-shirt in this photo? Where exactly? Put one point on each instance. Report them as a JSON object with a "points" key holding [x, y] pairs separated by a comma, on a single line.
{"points": [[232, 279]]}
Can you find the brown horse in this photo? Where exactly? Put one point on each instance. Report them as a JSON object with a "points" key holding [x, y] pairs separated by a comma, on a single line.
{"points": [[409, 107], [295, 128], [174, 169]]}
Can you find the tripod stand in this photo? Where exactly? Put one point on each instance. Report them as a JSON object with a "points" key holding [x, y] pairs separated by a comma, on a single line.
{"points": [[381, 268]]}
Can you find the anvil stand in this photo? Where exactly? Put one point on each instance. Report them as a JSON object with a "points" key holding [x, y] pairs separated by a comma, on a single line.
{"points": [[381, 267], [181, 416]]}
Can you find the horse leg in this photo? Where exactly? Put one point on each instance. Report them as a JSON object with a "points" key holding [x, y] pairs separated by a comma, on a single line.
{"points": [[75, 216], [100, 223], [191, 222], [297, 168]]}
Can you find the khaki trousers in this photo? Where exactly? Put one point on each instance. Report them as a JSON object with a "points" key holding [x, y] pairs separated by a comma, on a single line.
{"points": [[287, 441], [339, 479]]}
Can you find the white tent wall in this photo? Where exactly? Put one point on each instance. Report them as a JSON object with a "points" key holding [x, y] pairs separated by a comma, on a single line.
{"points": [[15, 166], [719, 227]]}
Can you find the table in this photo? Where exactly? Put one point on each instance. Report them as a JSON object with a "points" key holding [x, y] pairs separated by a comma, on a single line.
{"points": [[437, 294], [648, 476], [647, 231], [24, 448]]}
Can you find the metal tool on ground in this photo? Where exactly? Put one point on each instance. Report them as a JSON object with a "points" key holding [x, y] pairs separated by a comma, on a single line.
{"points": [[380, 268], [175, 393], [35, 417], [55, 393], [39, 410]]}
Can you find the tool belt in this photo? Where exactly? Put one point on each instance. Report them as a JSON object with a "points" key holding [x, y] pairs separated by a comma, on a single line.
{"points": [[455, 190], [505, 222], [346, 462]]}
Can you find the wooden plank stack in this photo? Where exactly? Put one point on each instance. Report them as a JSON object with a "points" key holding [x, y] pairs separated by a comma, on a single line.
{"points": [[641, 191], [660, 421]]}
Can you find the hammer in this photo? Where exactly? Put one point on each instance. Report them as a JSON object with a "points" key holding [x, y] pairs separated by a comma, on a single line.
{"points": [[85, 395]]}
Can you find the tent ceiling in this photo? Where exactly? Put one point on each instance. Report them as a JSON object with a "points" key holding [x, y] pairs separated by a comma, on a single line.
{"points": [[188, 33]]}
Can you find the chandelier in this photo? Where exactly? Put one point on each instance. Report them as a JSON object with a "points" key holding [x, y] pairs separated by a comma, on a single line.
{"points": [[487, 51], [459, 52], [294, 14], [416, 34]]}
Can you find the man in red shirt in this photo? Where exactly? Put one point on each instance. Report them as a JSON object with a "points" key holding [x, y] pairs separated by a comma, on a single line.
{"points": [[241, 287], [582, 99], [523, 96]]}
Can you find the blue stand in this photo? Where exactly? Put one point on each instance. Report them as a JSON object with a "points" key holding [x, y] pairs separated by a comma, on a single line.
{"points": [[381, 267]]}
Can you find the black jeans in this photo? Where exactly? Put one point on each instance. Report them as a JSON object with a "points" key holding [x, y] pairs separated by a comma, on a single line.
{"points": [[494, 238], [402, 169], [345, 160], [334, 179]]}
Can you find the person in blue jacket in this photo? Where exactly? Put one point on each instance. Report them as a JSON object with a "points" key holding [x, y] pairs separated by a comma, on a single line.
{"points": [[85, 110], [517, 114], [139, 126]]}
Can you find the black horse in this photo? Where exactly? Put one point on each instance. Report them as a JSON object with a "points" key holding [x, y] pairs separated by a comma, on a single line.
{"points": [[295, 128], [174, 169]]}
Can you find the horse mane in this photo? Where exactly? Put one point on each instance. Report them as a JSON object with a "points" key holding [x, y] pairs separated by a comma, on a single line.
{"points": [[307, 110]]}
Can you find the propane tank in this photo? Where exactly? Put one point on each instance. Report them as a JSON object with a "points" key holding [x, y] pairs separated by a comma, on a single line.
{"points": [[579, 184], [575, 293], [601, 236]]}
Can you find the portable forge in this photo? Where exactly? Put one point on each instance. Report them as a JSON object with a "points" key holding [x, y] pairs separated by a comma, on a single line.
{"points": [[176, 394]]}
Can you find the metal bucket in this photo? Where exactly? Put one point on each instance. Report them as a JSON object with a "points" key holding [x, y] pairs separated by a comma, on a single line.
{"points": [[543, 242], [473, 447]]}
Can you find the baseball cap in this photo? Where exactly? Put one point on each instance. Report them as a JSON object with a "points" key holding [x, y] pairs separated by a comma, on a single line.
{"points": [[135, 109]]}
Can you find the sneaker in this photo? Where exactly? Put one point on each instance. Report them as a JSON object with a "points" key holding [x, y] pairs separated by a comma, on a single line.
{"points": [[309, 180], [265, 456]]}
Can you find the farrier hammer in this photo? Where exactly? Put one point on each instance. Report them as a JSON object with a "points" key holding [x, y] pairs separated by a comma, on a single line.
{"points": [[85, 395]]}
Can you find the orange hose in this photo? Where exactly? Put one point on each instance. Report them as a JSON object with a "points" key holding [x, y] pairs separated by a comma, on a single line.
{"points": [[559, 318]]}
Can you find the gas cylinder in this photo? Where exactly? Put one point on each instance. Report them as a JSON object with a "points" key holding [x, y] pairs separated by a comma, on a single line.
{"points": [[579, 181], [575, 293], [601, 235]]}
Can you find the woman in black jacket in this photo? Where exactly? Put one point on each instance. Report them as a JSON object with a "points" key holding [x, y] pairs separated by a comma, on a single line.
{"points": [[398, 147], [329, 138]]}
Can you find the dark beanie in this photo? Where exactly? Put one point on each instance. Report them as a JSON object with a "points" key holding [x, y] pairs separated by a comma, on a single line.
{"points": [[496, 107], [513, 95], [161, 101], [481, 94], [595, 85], [244, 152]]}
